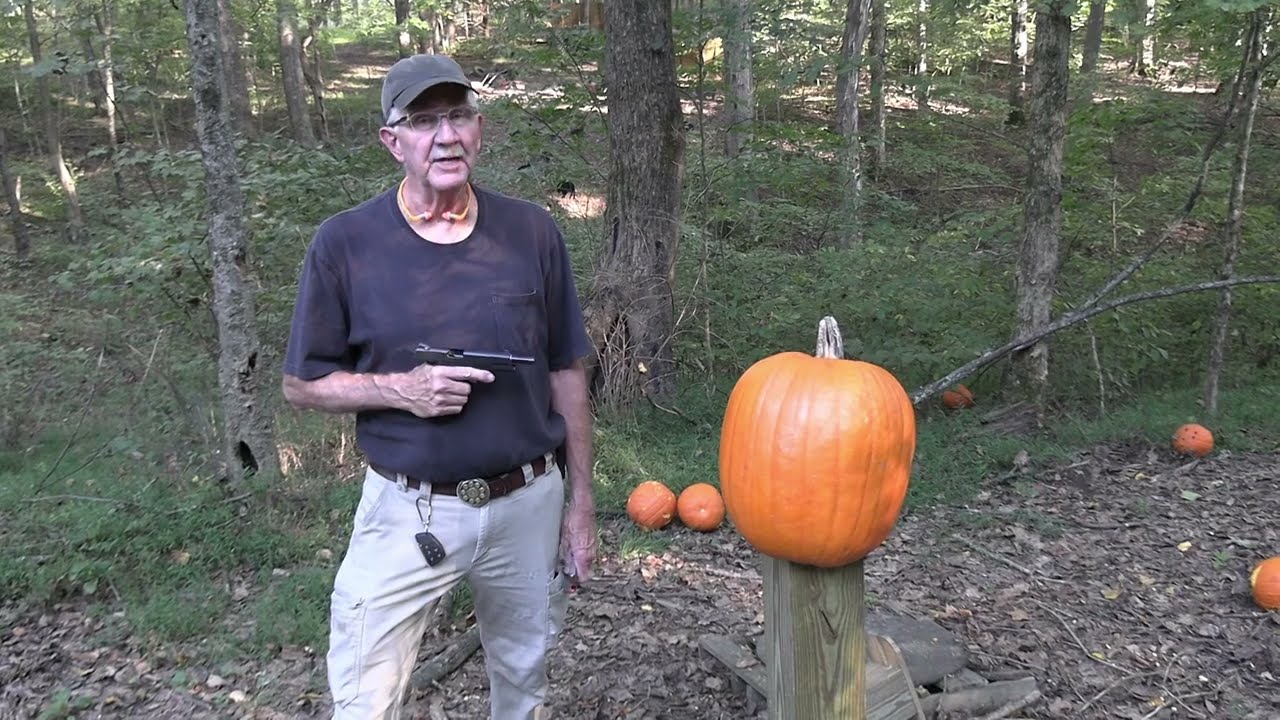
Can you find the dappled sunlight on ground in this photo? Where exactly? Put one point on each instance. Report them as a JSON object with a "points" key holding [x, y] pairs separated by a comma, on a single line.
{"points": [[582, 206]]}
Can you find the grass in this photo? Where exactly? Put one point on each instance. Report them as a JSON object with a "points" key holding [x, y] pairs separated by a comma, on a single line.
{"points": [[109, 395]]}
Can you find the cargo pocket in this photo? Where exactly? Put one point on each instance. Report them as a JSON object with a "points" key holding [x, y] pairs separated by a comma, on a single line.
{"points": [[518, 321], [557, 606], [346, 649]]}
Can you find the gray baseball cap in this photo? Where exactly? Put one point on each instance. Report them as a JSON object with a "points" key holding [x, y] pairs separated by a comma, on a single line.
{"points": [[412, 76]]}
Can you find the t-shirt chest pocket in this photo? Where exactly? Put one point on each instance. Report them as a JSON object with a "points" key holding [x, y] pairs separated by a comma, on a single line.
{"points": [[518, 320]]}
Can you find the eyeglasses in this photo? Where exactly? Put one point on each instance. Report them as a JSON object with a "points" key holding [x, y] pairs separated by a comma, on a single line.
{"points": [[461, 118]]}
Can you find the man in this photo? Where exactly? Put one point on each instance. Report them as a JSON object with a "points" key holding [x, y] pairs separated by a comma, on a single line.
{"points": [[465, 475]]}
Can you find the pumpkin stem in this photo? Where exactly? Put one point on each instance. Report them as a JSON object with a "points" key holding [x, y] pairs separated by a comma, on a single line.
{"points": [[829, 343]]}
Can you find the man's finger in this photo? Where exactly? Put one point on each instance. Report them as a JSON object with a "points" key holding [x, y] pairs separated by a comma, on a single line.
{"points": [[463, 373]]}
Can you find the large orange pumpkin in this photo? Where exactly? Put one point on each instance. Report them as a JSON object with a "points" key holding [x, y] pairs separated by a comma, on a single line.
{"points": [[1265, 583], [1193, 439], [700, 507], [651, 505], [816, 453]]}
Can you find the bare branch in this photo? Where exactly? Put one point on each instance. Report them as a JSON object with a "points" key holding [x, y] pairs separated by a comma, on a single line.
{"points": [[1073, 318], [1206, 155]]}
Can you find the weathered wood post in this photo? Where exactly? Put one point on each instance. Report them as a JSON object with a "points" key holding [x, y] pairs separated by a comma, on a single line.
{"points": [[815, 457], [816, 641]]}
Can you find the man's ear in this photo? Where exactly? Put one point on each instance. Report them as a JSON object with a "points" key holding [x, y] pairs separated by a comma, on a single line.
{"points": [[391, 141]]}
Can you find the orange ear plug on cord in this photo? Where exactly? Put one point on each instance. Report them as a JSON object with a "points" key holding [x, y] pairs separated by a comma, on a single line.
{"points": [[447, 214]]}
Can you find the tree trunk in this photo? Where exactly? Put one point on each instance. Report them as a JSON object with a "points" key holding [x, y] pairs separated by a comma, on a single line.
{"points": [[922, 56], [1042, 209], [847, 73], [1146, 50], [313, 68], [1235, 216], [295, 97], [630, 312], [1093, 36], [1017, 63], [404, 39], [856, 18], [878, 61], [237, 74], [106, 21], [48, 118], [737, 62], [247, 435], [21, 238]]}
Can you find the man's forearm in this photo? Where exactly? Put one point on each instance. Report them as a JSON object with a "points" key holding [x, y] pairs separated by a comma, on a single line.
{"points": [[569, 399], [342, 392]]}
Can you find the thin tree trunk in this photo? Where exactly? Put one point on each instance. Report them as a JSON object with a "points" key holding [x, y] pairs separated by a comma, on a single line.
{"points": [[1017, 62], [295, 97], [922, 56], [247, 434], [1042, 210], [21, 238], [1235, 218], [313, 67], [48, 117], [878, 61], [238, 82], [737, 62], [404, 40], [106, 21], [1093, 36], [1147, 48], [630, 310], [857, 15]]}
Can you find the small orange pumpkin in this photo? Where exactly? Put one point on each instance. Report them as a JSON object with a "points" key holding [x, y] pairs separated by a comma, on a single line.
{"points": [[651, 505], [700, 507], [816, 453], [1193, 439], [1265, 583], [957, 398]]}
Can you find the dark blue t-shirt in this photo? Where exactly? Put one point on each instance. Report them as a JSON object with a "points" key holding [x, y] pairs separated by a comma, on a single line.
{"points": [[371, 290]]}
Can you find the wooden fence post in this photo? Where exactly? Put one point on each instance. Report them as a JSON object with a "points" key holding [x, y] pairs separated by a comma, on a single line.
{"points": [[815, 641]]}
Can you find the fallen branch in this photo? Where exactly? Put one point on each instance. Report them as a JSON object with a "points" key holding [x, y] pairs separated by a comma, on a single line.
{"points": [[446, 662], [975, 701], [1080, 644], [86, 498], [1074, 318], [1012, 707], [1000, 558]]}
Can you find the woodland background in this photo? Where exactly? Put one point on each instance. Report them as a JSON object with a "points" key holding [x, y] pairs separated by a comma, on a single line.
{"points": [[944, 177]]}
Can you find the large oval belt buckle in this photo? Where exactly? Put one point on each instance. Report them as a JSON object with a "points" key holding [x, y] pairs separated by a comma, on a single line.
{"points": [[474, 492]]}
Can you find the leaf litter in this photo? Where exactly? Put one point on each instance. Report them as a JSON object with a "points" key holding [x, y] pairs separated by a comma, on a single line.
{"points": [[1106, 580]]}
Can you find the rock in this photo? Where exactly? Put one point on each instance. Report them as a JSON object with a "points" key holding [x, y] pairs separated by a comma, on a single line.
{"points": [[930, 651]]}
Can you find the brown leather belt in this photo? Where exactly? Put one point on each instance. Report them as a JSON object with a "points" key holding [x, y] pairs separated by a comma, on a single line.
{"points": [[473, 491]]}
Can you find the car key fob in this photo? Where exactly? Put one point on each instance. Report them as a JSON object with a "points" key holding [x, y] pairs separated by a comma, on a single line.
{"points": [[431, 548]]}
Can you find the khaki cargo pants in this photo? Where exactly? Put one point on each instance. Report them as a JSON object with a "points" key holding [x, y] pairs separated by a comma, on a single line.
{"points": [[384, 592]]}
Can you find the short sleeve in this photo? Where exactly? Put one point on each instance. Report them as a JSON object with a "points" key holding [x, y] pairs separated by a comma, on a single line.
{"points": [[318, 335], [566, 335]]}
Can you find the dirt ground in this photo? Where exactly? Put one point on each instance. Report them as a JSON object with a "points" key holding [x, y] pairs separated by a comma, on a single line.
{"points": [[1119, 581]]}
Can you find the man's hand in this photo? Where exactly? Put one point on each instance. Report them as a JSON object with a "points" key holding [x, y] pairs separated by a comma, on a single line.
{"points": [[578, 538], [434, 390]]}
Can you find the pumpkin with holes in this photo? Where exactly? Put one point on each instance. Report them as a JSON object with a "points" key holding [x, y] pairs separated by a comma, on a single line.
{"points": [[958, 398], [1193, 439], [700, 507], [651, 505], [816, 453], [1265, 583]]}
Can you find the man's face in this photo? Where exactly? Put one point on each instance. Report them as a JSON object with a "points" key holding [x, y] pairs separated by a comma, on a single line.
{"points": [[437, 139]]}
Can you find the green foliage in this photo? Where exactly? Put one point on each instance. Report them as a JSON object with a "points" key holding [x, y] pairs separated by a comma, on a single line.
{"points": [[108, 403]]}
